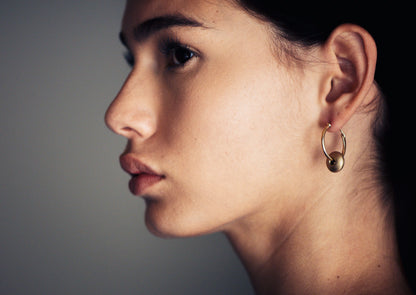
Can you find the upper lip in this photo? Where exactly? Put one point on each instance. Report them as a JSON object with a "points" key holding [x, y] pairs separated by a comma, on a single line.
{"points": [[134, 166]]}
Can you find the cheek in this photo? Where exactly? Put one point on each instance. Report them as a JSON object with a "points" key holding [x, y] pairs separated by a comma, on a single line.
{"points": [[227, 147], [239, 120]]}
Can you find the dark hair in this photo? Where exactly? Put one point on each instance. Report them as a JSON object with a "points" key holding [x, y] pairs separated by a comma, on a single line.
{"points": [[310, 23]]}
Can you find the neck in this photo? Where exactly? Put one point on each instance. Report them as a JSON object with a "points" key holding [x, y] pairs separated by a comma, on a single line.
{"points": [[342, 242]]}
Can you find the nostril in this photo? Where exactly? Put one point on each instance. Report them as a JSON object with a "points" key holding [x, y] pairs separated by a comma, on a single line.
{"points": [[127, 130]]}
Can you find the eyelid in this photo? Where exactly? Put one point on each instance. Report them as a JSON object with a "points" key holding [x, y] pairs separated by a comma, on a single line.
{"points": [[166, 45]]}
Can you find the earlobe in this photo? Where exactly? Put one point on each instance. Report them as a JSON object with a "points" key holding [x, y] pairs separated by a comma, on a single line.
{"points": [[353, 54]]}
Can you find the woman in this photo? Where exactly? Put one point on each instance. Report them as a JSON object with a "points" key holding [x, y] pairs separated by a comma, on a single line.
{"points": [[237, 115]]}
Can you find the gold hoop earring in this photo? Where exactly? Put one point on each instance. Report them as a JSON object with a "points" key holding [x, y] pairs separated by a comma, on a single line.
{"points": [[335, 160]]}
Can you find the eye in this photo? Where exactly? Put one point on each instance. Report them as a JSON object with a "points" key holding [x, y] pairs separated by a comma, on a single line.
{"points": [[179, 56]]}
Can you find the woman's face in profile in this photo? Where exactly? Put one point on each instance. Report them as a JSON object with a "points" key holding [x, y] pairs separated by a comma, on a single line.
{"points": [[212, 115]]}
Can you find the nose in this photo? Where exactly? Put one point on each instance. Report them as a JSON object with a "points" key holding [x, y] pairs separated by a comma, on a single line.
{"points": [[133, 113]]}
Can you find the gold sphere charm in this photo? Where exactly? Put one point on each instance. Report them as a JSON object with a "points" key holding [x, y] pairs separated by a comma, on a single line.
{"points": [[335, 160]]}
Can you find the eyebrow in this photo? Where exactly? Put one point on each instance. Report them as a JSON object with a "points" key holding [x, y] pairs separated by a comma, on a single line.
{"points": [[144, 30]]}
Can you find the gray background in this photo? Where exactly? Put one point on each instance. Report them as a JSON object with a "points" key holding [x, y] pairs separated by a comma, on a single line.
{"points": [[68, 224]]}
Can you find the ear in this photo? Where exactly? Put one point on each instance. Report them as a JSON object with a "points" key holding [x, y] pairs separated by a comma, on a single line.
{"points": [[352, 55]]}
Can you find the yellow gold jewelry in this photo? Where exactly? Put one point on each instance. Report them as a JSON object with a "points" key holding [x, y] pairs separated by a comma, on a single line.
{"points": [[335, 160]]}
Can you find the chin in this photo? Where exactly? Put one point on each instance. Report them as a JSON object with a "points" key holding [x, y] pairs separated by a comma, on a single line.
{"points": [[168, 222]]}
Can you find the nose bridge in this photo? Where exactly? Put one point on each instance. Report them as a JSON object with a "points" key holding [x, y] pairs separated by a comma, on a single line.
{"points": [[133, 111]]}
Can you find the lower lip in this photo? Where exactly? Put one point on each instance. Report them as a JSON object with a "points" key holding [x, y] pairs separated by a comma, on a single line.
{"points": [[140, 183]]}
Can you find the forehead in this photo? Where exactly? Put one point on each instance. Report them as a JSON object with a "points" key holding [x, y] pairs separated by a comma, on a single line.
{"points": [[209, 12]]}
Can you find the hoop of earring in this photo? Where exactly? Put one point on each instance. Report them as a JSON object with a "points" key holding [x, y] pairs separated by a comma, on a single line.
{"points": [[335, 160]]}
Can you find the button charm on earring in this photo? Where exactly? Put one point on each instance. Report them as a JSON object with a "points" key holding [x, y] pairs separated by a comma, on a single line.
{"points": [[335, 160]]}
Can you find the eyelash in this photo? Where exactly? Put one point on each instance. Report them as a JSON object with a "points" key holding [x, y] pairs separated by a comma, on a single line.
{"points": [[129, 58], [167, 47]]}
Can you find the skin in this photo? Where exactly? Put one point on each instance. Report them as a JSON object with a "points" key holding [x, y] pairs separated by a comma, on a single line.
{"points": [[236, 134]]}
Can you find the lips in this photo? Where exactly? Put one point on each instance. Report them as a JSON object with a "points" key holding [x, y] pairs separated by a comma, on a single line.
{"points": [[142, 176]]}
